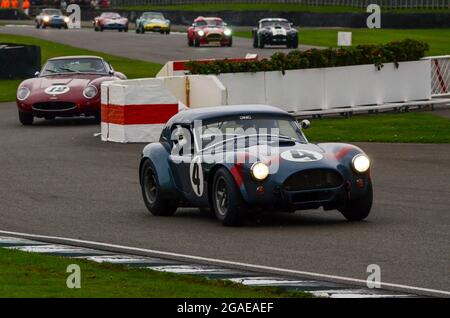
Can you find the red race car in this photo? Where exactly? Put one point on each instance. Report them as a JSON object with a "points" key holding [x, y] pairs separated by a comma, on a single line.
{"points": [[65, 87], [209, 31], [110, 21]]}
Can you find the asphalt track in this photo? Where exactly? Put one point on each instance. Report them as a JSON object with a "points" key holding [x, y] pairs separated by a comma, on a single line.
{"points": [[153, 47], [57, 178]]}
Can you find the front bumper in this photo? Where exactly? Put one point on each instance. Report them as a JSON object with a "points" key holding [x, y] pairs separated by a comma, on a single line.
{"points": [[114, 26], [156, 27], [215, 39], [270, 39], [55, 23], [61, 108]]}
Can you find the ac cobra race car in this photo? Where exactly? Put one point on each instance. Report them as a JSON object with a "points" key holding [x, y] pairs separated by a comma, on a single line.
{"points": [[153, 22], [275, 31], [66, 86], [243, 159], [209, 30]]}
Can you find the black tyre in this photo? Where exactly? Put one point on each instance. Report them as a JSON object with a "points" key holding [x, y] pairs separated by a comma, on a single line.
{"points": [[196, 42], [227, 201], [125, 30], [101, 29], [137, 29], [37, 25], [168, 32], [151, 192], [261, 43], [190, 42], [358, 210], [295, 43], [43, 26], [255, 41], [25, 118], [230, 44], [120, 30], [66, 26], [142, 29], [98, 118]]}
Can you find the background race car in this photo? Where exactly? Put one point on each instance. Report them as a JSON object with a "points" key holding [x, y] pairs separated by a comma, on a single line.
{"points": [[51, 18], [153, 22], [110, 21], [65, 87], [241, 159], [275, 32], [209, 31]]}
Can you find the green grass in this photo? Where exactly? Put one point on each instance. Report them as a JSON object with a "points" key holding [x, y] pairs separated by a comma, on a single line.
{"points": [[438, 39], [266, 7], [34, 275], [131, 68], [415, 127]]}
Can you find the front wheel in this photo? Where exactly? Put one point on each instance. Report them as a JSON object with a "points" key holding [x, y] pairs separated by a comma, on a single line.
{"points": [[227, 201], [25, 118], [359, 209], [255, 41], [151, 192]]}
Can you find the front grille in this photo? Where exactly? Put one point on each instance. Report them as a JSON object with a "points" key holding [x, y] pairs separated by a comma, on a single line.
{"points": [[214, 37], [54, 106], [313, 179], [279, 37]]}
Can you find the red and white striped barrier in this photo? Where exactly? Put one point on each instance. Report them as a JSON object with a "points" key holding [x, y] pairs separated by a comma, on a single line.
{"points": [[136, 110]]}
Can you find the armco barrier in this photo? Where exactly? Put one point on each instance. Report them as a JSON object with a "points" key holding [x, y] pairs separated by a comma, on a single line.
{"points": [[136, 110]]}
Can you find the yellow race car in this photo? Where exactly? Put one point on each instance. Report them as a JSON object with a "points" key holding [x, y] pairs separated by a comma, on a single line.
{"points": [[152, 22]]}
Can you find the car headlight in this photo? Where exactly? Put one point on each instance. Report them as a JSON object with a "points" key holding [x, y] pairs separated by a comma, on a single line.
{"points": [[23, 93], [66, 19], [361, 163], [90, 91], [201, 33], [46, 18], [227, 32], [259, 171]]}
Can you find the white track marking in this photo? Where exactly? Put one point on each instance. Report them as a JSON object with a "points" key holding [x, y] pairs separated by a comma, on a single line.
{"points": [[411, 289], [119, 259], [189, 269], [52, 248], [272, 281]]}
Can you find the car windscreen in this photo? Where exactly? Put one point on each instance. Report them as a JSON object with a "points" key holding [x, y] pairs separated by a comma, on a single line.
{"points": [[63, 66], [111, 15], [210, 23], [153, 16], [268, 24], [52, 12], [270, 129]]}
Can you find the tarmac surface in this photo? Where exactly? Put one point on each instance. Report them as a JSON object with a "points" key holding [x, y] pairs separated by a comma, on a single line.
{"points": [[58, 179]]}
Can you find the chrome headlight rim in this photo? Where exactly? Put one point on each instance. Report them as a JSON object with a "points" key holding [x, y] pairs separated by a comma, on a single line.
{"points": [[66, 19], [201, 33], [227, 32], [256, 175], [90, 87], [23, 97], [46, 18], [361, 166]]}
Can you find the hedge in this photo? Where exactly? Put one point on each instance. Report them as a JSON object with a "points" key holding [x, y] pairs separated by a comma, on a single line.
{"points": [[392, 52]]}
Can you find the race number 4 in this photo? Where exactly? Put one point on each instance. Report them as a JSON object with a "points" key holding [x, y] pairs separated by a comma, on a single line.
{"points": [[196, 173]]}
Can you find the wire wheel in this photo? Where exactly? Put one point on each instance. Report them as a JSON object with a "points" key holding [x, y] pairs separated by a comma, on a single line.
{"points": [[221, 196]]}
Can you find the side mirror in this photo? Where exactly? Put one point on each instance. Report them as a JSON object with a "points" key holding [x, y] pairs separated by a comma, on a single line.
{"points": [[305, 124], [37, 74], [111, 72]]}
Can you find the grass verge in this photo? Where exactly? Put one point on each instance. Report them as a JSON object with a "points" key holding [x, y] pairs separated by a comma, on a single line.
{"points": [[412, 127], [34, 275], [268, 7], [131, 68], [327, 37]]}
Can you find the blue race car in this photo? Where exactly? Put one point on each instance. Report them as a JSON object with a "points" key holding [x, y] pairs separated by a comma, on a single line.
{"points": [[236, 160]]}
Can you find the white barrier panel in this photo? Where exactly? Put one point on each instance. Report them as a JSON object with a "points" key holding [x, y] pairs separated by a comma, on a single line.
{"points": [[440, 75], [206, 91], [328, 88], [136, 110]]}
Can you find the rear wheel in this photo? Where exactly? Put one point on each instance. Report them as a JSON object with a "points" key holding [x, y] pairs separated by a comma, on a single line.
{"points": [[25, 118], [227, 201], [152, 195], [359, 209]]}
